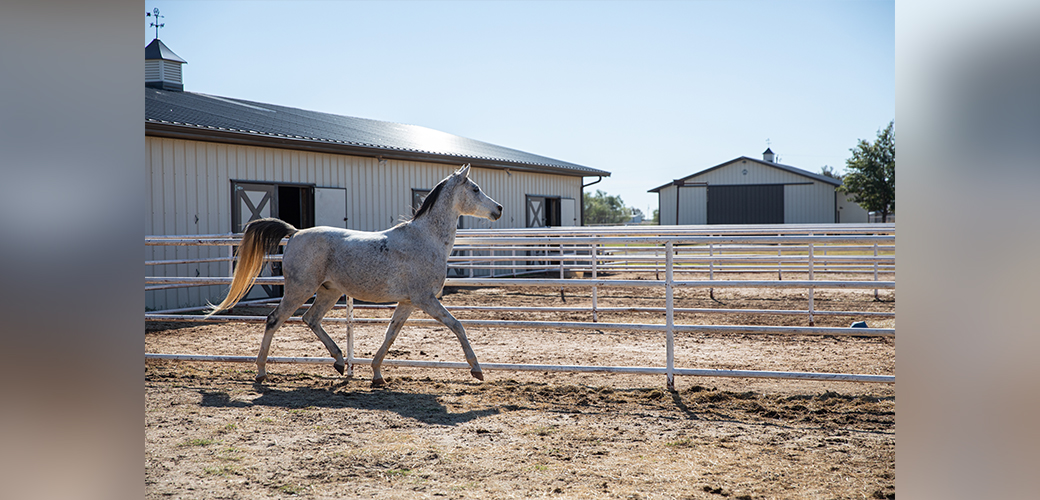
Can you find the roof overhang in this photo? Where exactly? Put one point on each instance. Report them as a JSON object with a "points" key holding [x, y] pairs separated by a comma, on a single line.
{"points": [[155, 128], [786, 168]]}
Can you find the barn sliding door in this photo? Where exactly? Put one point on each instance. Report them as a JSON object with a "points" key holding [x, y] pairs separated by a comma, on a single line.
{"points": [[746, 204]]}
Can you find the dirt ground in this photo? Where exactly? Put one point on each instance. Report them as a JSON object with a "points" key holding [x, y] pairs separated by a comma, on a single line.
{"points": [[308, 432]]}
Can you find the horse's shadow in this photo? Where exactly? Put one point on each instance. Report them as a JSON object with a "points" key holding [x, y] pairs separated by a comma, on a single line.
{"points": [[422, 407]]}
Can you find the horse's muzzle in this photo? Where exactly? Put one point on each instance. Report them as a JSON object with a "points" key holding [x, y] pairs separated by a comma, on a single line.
{"points": [[497, 214]]}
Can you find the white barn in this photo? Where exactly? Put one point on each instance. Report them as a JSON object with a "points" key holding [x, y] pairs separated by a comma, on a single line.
{"points": [[214, 163], [750, 191]]}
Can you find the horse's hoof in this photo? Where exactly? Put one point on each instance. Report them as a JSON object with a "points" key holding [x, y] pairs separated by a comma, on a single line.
{"points": [[477, 375], [339, 367], [261, 378], [378, 382]]}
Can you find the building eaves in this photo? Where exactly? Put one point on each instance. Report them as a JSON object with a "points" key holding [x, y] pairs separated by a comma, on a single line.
{"points": [[788, 168]]}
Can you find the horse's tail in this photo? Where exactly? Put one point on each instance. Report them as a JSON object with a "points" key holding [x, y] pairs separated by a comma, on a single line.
{"points": [[262, 237]]}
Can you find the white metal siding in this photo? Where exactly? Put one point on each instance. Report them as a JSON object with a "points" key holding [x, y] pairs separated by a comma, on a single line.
{"points": [[666, 206], [850, 211], [189, 179], [757, 173], [693, 205], [809, 203]]}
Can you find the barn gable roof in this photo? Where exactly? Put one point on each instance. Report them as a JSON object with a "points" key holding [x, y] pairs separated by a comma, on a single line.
{"points": [[191, 115], [788, 168]]}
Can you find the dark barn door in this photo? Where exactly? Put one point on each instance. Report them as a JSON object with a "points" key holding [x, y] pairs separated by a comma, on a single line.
{"points": [[544, 211], [749, 204], [293, 203]]}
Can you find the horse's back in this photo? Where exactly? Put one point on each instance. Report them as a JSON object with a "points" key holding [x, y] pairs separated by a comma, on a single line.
{"points": [[361, 263]]}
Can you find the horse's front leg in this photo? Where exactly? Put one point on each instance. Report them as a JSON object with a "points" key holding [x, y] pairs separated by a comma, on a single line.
{"points": [[396, 322], [434, 308]]}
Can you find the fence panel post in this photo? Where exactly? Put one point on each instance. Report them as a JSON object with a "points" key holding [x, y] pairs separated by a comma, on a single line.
{"points": [[875, 270], [711, 269], [811, 289], [669, 299], [350, 336], [595, 289]]}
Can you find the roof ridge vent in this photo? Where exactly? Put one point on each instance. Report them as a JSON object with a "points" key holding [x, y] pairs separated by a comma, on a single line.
{"points": [[162, 67]]}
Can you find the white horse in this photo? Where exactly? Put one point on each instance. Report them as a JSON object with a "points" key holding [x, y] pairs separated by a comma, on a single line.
{"points": [[406, 264]]}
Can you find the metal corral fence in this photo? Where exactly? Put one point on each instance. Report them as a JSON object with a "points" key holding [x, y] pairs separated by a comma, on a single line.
{"points": [[817, 256]]}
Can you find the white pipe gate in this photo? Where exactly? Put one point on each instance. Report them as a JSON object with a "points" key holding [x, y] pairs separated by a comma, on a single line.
{"points": [[847, 249]]}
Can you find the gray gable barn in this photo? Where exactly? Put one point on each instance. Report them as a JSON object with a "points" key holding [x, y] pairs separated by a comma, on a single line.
{"points": [[751, 191]]}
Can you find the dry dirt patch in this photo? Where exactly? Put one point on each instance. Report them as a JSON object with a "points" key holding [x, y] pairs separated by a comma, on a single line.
{"points": [[309, 433]]}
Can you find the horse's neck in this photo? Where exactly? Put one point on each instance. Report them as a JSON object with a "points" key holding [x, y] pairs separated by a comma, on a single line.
{"points": [[441, 225]]}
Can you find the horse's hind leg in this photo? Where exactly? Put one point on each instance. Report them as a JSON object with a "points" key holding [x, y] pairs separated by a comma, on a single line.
{"points": [[434, 308], [293, 298], [323, 302], [396, 322]]}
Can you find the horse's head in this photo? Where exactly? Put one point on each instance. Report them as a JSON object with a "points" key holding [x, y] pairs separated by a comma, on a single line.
{"points": [[468, 197]]}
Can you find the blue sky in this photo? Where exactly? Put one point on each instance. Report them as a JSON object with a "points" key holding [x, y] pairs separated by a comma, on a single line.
{"points": [[649, 91]]}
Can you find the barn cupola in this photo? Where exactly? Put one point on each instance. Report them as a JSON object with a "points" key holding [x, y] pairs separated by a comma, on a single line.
{"points": [[162, 68], [767, 155]]}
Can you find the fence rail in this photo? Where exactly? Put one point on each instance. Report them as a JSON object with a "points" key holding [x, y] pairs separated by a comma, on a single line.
{"points": [[844, 253]]}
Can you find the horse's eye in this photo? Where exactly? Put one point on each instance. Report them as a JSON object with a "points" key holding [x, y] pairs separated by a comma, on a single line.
{"points": [[476, 189]]}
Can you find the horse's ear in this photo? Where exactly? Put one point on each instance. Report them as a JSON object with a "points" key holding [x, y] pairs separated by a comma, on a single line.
{"points": [[463, 171]]}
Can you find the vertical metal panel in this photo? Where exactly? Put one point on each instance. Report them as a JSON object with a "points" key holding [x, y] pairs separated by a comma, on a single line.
{"points": [[693, 205], [191, 211], [180, 208], [757, 173], [809, 203], [850, 211], [666, 205]]}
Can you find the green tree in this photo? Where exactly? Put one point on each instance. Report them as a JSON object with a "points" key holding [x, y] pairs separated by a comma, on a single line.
{"points": [[828, 171], [871, 173], [601, 208]]}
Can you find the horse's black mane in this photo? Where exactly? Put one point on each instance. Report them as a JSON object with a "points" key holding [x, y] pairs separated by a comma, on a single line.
{"points": [[431, 198]]}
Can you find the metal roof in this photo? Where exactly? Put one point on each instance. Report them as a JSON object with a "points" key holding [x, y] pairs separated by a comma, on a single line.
{"points": [[159, 50], [793, 170], [225, 119]]}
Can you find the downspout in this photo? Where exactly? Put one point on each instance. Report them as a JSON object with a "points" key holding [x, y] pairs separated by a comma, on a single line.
{"points": [[581, 210]]}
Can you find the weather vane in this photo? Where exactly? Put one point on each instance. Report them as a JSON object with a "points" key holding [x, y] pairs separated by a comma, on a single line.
{"points": [[155, 13]]}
